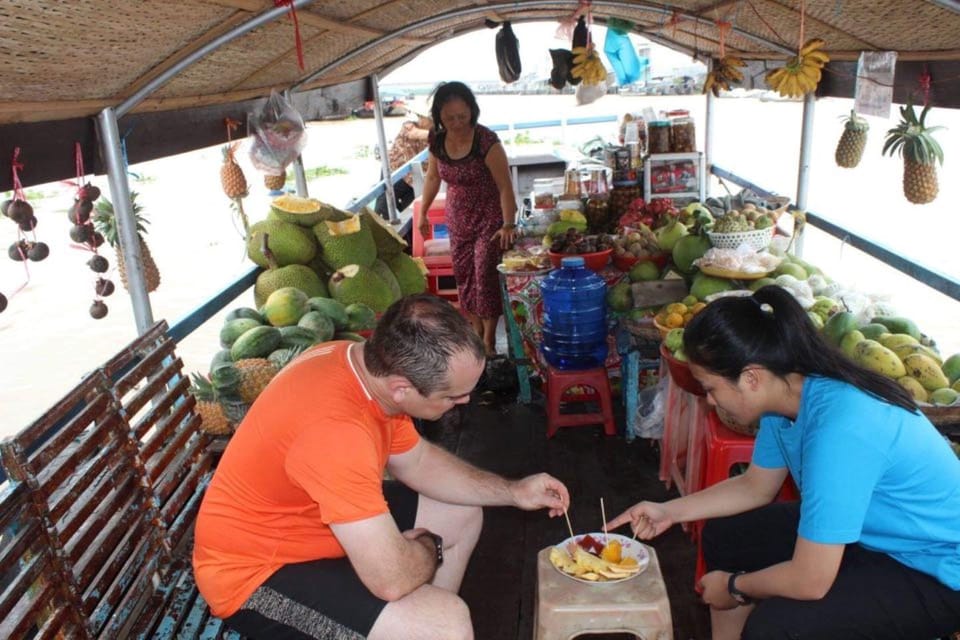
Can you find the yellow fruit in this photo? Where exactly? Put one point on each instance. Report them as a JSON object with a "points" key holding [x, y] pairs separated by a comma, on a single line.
{"points": [[872, 355], [698, 307], [612, 552], [926, 370], [905, 350], [687, 317], [914, 387], [674, 320], [676, 307], [894, 340]]}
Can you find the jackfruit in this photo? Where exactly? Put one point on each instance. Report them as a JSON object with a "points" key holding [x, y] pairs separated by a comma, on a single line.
{"points": [[296, 210], [388, 241], [411, 273], [294, 275], [357, 283], [383, 270], [289, 243], [345, 243]]}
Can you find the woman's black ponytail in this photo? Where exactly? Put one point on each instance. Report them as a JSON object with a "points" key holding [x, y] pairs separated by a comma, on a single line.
{"points": [[771, 329]]}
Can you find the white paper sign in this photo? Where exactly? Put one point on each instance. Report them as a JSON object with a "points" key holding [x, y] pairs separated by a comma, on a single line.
{"points": [[874, 92]]}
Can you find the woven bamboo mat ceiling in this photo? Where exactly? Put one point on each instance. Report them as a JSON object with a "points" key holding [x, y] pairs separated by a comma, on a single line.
{"points": [[68, 59]]}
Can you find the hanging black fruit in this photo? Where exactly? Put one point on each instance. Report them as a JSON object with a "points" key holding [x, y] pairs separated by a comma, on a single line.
{"points": [[29, 225], [19, 210], [18, 251], [4, 206], [96, 239], [81, 233], [38, 251], [104, 287], [98, 309], [98, 264], [3, 302], [80, 211], [89, 192]]}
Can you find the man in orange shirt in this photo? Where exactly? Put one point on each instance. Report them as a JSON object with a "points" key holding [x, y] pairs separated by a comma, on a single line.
{"points": [[298, 536]]}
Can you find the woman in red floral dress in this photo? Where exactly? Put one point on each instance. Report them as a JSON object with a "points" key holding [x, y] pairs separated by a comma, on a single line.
{"points": [[481, 207]]}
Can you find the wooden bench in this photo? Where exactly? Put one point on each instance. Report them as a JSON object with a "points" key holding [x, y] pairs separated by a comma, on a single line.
{"points": [[98, 506]]}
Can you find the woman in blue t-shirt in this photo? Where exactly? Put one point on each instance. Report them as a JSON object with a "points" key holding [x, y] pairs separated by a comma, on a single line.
{"points": [[872, 550]]}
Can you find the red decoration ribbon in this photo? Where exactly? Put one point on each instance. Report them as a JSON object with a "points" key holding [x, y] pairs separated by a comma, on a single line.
{"points": [[926, 84], [296, 28], [724, 28], [15, 167], [78, 159]]}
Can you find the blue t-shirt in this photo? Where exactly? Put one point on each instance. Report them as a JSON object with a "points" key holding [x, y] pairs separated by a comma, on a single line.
{"points": [[869, 472]]}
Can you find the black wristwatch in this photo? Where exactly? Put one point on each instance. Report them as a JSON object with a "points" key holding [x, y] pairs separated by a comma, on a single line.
{"points": [[437, 545], [735, 593]]}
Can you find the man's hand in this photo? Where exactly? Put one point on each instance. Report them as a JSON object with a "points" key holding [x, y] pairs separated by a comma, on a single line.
{"points": [[715, 591], [647, 519], [540, 491]]}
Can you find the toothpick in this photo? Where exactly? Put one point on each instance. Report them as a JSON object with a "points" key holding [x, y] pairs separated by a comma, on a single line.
{"points": [[569, 528], [603, 514]]}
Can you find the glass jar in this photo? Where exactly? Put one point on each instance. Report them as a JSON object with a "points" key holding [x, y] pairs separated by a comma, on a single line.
{"points": [[571, 185], [683, 134], [597, 212], [658, 136]]}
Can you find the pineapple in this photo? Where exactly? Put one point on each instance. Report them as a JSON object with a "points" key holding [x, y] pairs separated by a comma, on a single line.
{"points": [[106, 223], [255, 375], [231, 175], [912, 139], [212, 418], [854, 139], [274, 183]]}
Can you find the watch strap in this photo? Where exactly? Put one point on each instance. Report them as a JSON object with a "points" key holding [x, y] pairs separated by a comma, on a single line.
{"points": [[735, 593], [437, 545]]}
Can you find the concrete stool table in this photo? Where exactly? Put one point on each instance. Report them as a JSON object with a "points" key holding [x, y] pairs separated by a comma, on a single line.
{"points": [[566, 608]]}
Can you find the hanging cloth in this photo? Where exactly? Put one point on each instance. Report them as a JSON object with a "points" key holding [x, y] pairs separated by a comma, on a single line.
{"points": [[622, 56]]}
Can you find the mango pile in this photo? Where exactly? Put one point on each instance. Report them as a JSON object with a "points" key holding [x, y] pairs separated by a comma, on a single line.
{"points": [[326, 252], [895, 347]]}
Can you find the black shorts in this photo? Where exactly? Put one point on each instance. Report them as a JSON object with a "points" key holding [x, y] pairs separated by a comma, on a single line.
{"points": [[320, 599], [874, 596]]}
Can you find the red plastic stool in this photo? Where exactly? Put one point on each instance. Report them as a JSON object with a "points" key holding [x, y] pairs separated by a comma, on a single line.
{"points": [[725, 448], [437, 265], [558, 382]]}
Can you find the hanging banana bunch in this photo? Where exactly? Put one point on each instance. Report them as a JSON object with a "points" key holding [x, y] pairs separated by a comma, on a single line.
{"points": [[587, 65], [802, 73], [724, 72]]}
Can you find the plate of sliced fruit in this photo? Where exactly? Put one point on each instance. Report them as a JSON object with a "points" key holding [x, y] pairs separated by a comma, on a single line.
{"points": [[596, 558]]}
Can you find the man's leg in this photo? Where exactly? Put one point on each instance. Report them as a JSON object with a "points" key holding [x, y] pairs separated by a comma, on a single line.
{"points": [[435, 611]]}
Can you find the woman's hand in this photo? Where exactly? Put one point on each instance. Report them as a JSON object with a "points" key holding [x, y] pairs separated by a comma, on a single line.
{"points": [[424, 226], [505, 237], [715, 591], [647, 519]]}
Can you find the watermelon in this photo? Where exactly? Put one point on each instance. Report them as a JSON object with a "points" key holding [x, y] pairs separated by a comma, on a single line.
{"points": [[256, 343]]}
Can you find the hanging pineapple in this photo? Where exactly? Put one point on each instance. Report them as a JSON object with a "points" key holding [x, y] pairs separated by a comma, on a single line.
{"points": [[852, 142], [233, 181], [912, 139], [274, 183], [105, 223]]}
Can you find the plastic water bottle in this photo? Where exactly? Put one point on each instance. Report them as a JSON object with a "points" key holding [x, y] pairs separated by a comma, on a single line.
{"points": [[574, 316]]}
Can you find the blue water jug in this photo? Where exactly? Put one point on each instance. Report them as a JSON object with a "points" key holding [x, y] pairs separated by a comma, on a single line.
{"points": [[574, 316]]}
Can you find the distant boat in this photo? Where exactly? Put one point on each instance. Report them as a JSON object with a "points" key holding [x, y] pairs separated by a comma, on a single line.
{"points": [[391, 107]]}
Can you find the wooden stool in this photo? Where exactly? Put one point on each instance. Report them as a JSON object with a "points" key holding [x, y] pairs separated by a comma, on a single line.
{"points": [[566, 608], [559, 381]]}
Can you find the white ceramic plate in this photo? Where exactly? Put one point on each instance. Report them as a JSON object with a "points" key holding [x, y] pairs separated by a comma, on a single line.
{"points": [[629, 549]]}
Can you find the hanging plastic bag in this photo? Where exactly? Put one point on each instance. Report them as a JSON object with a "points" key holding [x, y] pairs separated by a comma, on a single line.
{"points": [[508, 54], [622, 57], [279, 135], [587, 93], [562, 63], [581, 36]]}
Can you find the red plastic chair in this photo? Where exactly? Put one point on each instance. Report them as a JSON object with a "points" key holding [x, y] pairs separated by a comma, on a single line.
{"points": [[437, 265], [559, 382]]}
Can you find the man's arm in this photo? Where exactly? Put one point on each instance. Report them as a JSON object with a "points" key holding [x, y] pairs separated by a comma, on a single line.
{"points": [[389, 563], [431, 471]]}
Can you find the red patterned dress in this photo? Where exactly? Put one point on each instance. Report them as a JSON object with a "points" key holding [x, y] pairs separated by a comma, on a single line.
{"points": [[473, 216]]}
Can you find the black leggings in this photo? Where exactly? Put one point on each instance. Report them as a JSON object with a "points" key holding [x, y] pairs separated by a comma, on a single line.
{"points": [[874, 597]]}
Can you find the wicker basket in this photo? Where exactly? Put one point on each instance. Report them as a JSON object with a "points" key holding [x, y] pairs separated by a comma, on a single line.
{"points": [[942, 415], [759, 239]]}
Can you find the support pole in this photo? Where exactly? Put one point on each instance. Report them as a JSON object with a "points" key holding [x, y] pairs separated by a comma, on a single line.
{"points": [[708, 126], [299, 175], [384, 152], [126, 224], [803, 171]]}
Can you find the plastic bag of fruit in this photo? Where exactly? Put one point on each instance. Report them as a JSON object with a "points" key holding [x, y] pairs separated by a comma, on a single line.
{"points": [[279, 135]]}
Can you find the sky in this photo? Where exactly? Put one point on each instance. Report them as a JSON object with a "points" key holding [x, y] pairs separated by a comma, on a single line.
{"points": [[471, 57]]}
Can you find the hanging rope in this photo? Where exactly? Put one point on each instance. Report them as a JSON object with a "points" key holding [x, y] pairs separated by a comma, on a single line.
{"points": [[231, 125], [296, 29], [78, 161], [926, 83], [673, 22], [803, 15], [15, 168], [724, 27]]}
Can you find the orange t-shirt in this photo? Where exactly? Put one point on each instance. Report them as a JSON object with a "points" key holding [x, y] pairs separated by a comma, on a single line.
{"points": [[310, 452]]}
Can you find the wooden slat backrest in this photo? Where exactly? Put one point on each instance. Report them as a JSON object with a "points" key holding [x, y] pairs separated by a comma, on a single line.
{"points": [[34, 600]]}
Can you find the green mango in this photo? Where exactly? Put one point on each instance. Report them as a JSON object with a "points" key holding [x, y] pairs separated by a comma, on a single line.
{"points": [[874, 330], [898, 324], [839, 325]]}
